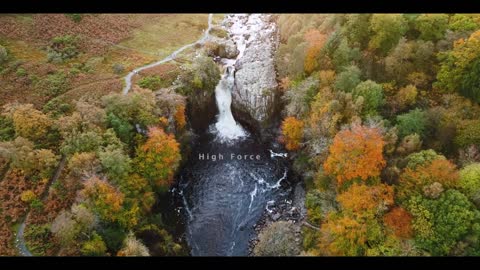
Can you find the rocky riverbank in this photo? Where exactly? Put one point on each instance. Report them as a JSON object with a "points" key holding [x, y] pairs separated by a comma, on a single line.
{"points": [[293, 211]]}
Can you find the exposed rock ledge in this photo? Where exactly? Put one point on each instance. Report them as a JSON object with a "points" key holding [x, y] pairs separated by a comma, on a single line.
{"points": [[255, 77]]}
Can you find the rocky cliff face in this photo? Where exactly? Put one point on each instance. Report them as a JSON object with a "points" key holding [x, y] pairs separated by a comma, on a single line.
{"points": [[255, 78]]}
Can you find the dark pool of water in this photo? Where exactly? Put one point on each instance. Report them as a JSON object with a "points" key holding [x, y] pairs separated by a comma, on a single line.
{"points": [[218, 202]]}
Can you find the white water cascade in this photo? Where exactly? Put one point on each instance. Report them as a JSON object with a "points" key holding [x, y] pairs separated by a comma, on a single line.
{"points": [[226, 128]]}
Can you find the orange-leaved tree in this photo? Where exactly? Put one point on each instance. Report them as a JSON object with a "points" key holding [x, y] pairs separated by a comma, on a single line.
{"points": [[415, 180], [292, 131], [362, 200], [180, 119], [400, 222], [315, 41], [356, 153], [109, 203], [103, 198], [158, 158]]}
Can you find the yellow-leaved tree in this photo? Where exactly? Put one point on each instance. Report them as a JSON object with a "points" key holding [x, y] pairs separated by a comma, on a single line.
{"points": [[292, 131]]}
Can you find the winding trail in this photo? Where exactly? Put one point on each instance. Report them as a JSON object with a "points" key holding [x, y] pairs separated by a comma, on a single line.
{"points": [[19, 239], [128, 78]]}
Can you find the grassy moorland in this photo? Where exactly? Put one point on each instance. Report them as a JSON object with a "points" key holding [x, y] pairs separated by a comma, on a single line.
{"points": [[163, 37], [105, 48]]}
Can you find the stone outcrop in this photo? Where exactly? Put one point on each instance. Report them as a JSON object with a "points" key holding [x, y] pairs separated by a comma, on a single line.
{"points": [[255, 77]]}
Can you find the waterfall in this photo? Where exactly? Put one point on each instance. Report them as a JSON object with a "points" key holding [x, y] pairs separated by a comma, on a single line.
{"points": [[226, 128]]}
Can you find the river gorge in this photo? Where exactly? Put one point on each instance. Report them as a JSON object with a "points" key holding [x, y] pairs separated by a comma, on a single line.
{"points": [[233, 177]]}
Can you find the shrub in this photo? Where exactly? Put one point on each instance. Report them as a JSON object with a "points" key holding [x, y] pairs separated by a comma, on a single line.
{"points": [[74, 17], [3, 55], [57, 107], [166, 246], [153, 82], [38, 238], [314, 207], [54, 84], [62, 48], [21, 72], [219, 32], [36, 204], [118, 68], [211, 48], [7, 130], [28, 196], [92, 64]]}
